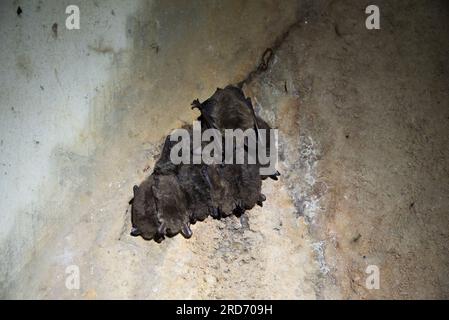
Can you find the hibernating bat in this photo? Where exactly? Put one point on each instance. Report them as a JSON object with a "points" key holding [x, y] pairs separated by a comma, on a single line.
{"points": [[177, 195]]}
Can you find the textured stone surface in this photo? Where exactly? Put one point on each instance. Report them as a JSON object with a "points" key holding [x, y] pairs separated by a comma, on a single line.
{"points": [[363, 122]]}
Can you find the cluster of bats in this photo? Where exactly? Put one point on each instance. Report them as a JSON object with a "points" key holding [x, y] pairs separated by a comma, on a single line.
{"points": [[175, 196]]}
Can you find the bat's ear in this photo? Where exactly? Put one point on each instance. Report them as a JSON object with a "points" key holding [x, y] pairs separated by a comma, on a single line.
{"points": [[135, 189]]}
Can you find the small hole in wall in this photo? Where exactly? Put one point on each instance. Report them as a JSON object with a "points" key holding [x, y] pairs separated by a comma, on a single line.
{"points": [[19, 11], [54, 29], [347, 136]]}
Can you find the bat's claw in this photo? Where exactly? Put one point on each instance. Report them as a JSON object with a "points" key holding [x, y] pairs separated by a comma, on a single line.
{"points": [[186, 232], [196, 104], [275, 175]]}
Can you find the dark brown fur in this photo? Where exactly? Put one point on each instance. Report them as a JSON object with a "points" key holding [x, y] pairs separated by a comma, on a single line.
{"points": [[174, 196]]}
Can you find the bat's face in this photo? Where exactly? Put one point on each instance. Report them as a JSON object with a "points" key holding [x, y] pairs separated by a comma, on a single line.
{"points": [[144, 213], [158, 209]]}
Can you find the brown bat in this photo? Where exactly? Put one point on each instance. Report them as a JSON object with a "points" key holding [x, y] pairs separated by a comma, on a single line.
{"points": [[177, 195]]}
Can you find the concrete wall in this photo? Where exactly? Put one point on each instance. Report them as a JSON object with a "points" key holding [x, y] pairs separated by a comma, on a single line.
{"points": [[82, 115], [48, 79], [362, 117]]}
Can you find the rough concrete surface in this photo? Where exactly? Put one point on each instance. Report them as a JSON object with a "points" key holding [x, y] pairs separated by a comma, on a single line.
{"points": [[363, 121]]}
